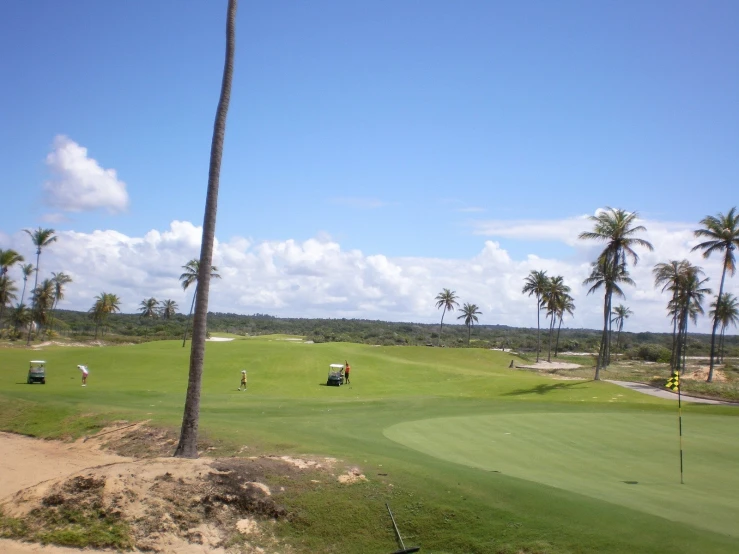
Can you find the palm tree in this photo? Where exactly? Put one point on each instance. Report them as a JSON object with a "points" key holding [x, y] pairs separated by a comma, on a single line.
{"points": [[41, 238], [621, 313], [43, 302], [20, 316], [149, 308], [105, 304], [168, 309], [188, 447], [536, 284], [552, 300], [722, 232], [568, 306], [604, 274], [614, 227], [59, 279], [7, 293], [446, 299], [687, 306], [670, 276], [728, 316], [190, 276], [8, 258], [469, 314], [26, 270]]}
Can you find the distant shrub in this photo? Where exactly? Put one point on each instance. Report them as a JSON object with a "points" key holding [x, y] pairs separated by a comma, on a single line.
{"points": [[650, 353]]}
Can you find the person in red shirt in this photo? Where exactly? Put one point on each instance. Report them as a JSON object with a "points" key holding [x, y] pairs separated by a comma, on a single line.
{"points": [[347, 369]]}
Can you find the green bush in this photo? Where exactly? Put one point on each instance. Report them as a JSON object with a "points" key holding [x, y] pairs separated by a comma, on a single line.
{"points": [[651, 353]]}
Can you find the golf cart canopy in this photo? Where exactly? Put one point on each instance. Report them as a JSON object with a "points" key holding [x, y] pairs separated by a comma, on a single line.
{"points": [[38, 362], [336, 366]]}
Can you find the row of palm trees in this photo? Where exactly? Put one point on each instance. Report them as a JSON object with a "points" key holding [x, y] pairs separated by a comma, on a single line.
{"points": [[447, 299], [44, 297], [553, 296], [616, 228]]}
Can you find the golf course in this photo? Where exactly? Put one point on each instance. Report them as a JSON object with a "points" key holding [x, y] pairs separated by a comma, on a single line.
{"points": [[472, 456]]}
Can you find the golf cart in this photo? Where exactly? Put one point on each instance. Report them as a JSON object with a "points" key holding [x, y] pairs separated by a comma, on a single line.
{"points": [[335, 375], [37, 372]]}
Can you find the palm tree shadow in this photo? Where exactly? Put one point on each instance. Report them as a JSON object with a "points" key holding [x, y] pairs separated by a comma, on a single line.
{"points": [[543, 389]]}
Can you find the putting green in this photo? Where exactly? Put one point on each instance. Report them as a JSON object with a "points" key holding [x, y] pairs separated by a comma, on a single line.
{"points": [[626, 459]]}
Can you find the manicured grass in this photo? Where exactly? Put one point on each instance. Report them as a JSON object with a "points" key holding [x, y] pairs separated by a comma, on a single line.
{"points": [[425, 419]]}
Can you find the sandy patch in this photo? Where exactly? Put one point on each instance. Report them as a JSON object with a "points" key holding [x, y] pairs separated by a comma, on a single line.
{"points": [[302, 463], [171, 505], [549, 365], [219, 339], [352, 475]]}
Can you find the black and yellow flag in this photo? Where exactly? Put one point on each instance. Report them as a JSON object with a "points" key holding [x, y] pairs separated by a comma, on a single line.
{"points": [[673, 383]]}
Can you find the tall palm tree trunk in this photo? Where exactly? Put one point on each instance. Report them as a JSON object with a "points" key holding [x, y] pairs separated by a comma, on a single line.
{"points": [[441, 325], [35, 284], [556, 346], [551, 332], [188, 445], [187, 323], [538, 326], [469, 334], [604, 337], [716, 321], [673, 357]]}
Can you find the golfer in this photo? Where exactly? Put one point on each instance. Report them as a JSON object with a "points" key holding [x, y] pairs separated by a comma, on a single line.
{"points": [[347, 369], [243, 379], [85, 373]]}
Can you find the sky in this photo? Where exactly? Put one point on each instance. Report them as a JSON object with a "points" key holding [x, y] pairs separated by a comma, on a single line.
{"points": [[376, 152]]}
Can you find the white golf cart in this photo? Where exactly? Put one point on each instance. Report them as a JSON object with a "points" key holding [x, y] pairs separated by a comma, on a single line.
{"points": [[37, 372], [335, 375]]}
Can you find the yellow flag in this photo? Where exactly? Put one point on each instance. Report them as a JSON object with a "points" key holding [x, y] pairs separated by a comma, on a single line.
{"points": [[673, 383]]}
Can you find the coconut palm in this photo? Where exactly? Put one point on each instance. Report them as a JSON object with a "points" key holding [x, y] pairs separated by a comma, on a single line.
{"points": [[567, 306], [105, 304], [722, 234], [552, 300], [446, 299], [149, 308], [535, 284], [187, 447], [605, 274], [168, 309], [620, 314], [688, 306], [469, 314], [20, 316], [670, 275], [41, 238], [728, 316], [59, 279], [43, 303], [7, 293], [26, 270], [190, 276], [615, 228], [9, 258]]}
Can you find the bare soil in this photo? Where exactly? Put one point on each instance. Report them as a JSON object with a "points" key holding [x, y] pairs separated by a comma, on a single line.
{"points": [[203, 506]]}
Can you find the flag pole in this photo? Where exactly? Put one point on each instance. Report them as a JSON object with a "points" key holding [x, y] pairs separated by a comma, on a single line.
{"points": [[680, 425]]}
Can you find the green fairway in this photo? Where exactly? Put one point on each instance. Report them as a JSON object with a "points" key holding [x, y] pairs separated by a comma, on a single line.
{"points": [[428, 427]]}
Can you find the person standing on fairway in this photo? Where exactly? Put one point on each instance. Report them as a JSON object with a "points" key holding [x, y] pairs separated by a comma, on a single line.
{"points": [[243, 379], [85, 373], [347, 369]]}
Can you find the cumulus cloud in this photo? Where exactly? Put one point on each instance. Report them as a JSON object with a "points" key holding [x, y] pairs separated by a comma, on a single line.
{"points": [[318, 278], [78, 182]]}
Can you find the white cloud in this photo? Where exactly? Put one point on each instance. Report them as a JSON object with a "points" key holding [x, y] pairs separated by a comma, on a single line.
{"points": [[79, 183], [317, 278]]}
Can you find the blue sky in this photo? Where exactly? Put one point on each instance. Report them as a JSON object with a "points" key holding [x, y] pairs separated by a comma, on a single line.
{"points": [[414, 130]]}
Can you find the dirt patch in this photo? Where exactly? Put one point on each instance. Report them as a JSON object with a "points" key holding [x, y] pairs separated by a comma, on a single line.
{"points": [[352, 475], [79, 495], [700, 373]]}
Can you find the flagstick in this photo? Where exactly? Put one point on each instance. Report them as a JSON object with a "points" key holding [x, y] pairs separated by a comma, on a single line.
{"points": [[680, 423]]}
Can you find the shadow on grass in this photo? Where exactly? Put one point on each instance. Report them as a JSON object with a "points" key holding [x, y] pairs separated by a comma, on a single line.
{"points": [[543, 389]]}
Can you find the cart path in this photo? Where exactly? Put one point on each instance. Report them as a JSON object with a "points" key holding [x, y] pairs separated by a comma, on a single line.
{"points": [[660, 393]]}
